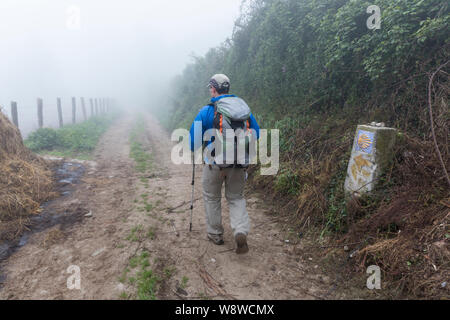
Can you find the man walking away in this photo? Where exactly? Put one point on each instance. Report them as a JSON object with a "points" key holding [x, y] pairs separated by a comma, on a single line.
{"points": [[226, 111]]}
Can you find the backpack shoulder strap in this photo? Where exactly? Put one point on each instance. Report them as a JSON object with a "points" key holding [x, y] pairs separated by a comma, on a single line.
{"points": [[215, 108]]}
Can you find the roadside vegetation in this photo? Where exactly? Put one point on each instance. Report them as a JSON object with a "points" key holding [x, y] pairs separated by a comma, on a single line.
{"points": [[73, 141], [313, 70]]}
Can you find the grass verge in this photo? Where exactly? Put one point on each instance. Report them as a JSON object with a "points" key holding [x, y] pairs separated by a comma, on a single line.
{"points": [[144, 279], [72, 141], [142, 158]]}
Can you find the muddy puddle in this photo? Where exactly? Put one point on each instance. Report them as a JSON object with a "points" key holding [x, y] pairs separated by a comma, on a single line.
{"points": [[67, 175]]}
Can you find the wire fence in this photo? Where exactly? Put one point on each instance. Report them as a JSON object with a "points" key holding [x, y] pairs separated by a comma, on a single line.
{"points": [[49, 114]]}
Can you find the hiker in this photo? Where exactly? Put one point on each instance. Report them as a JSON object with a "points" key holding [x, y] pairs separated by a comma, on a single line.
{"points": [[216, 172]]}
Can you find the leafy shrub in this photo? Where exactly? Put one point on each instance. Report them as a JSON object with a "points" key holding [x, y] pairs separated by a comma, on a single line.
{"points": [[77, 138], [43, 139]]}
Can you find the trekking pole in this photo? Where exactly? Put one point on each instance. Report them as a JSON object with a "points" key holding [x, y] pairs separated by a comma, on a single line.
{"points": [[192, 196]]}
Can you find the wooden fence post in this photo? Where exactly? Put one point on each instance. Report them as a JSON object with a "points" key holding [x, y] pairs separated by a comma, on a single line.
{"points": [[74, 110], [83, 107], [40, 107], [96, 106], [91, 102], [14, 116], [60, 116]]}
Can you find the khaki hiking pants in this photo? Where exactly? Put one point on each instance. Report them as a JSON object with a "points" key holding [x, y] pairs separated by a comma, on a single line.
{"points": [[212, 180]]}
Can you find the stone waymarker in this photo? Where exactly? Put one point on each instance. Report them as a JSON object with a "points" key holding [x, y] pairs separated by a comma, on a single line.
{"points": [[371, 154]]}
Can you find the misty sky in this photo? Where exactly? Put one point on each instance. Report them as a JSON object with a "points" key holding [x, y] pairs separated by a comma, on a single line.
{"points": [[123, 48]]}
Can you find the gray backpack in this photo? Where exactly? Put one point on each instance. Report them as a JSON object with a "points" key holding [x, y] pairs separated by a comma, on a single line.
{"points": [[232, 113]]}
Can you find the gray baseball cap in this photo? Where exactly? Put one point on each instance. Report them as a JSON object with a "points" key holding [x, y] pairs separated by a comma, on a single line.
{"points": [[219, 81]]}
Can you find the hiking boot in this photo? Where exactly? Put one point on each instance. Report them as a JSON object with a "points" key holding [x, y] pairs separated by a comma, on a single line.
{"points": [[241, 243], [216, 238]]}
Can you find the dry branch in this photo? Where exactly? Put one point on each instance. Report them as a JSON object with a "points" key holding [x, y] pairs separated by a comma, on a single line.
{"points": [[430, 83]]}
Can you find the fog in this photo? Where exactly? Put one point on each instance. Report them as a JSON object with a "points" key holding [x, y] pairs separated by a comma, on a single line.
{"points": [[127, 50]]}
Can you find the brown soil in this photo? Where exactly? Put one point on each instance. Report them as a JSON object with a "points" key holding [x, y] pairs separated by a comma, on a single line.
{"points": [[97, 243]]}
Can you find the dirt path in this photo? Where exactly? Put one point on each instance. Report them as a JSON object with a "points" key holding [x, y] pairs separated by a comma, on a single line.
{"points": [[132, 214]]}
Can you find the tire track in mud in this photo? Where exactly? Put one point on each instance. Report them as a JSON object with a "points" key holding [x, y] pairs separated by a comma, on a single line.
{"points": [[132, 213]]}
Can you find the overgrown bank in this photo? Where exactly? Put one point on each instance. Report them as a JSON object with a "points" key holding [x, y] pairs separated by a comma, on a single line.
{"points": [[314, 70]]}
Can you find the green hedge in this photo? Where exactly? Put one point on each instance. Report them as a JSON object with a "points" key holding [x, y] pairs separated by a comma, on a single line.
{"points": [[299, 57]]}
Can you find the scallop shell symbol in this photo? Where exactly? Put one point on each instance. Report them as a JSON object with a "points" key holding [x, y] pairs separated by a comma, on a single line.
{"points": [[364, 141]]}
